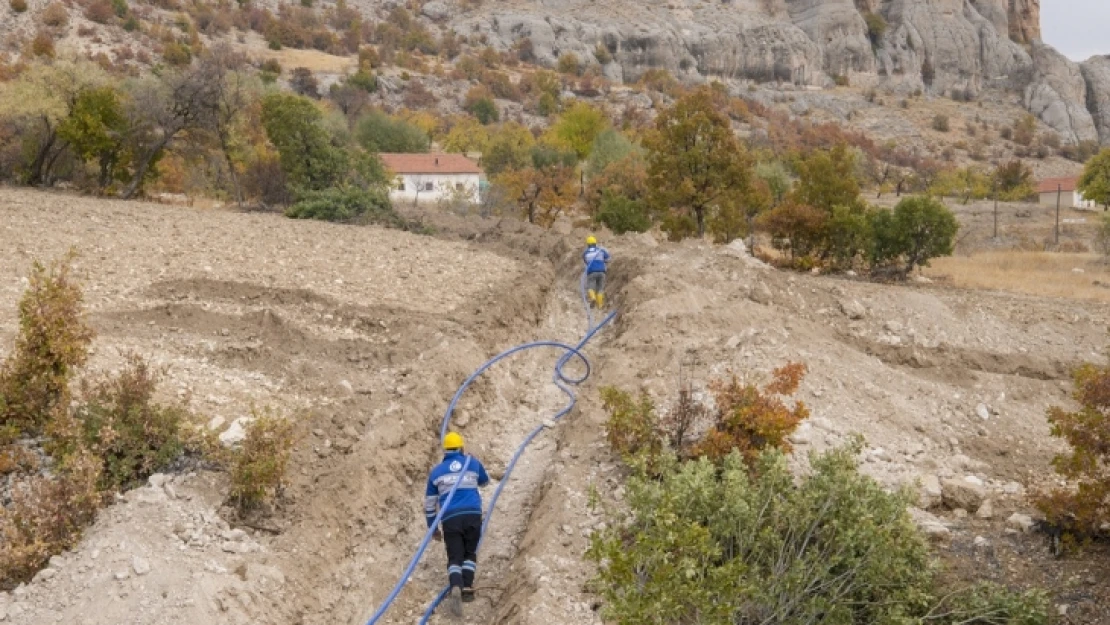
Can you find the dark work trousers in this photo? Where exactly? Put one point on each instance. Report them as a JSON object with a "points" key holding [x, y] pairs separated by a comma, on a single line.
{"points": [[461, 535]]}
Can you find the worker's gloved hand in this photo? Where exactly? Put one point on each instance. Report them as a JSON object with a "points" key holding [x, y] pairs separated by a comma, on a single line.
{"points": [[437, 535]]}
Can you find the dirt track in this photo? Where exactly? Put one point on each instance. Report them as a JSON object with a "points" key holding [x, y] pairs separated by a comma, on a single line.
{"points": [[364, 334]]}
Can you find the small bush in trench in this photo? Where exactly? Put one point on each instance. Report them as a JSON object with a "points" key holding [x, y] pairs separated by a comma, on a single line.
{"points": [[258, 467]]}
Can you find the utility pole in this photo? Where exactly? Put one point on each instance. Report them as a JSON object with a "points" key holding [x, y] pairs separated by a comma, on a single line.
{"points": [[1059, 191]]}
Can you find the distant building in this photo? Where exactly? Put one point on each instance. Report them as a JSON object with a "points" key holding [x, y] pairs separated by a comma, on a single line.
{"points": [[433, 177], [1070, 197]]}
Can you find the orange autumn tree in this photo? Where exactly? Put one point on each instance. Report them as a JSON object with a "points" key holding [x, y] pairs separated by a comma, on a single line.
{"points": [[744, 417], [749, 419], [1084, 509]]}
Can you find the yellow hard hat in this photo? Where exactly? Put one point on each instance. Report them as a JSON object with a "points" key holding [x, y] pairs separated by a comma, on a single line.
{"points": [[453, 440], [591, 240]]}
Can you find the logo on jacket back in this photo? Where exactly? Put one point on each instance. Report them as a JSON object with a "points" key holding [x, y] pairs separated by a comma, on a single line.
{"points": [[456, 466]]}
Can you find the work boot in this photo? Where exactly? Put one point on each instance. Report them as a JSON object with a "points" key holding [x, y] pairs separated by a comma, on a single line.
{"points": [[467, 595], [601, 300], [454, 601], [592, 296]]}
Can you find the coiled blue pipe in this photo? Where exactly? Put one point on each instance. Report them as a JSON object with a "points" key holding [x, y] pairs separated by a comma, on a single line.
{"points": [[561, 380]]}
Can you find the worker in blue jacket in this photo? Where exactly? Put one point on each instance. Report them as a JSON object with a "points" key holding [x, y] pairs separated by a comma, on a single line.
{"points": [[462, 518], [596, 259]]}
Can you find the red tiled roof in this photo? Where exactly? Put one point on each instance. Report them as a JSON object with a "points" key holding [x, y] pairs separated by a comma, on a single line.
{"points": [[1050, 185], [430, 164]]}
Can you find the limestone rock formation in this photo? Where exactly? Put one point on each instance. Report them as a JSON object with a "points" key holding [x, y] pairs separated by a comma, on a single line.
{"points": [[1058, 95], [949, 47], [1096, 73]]}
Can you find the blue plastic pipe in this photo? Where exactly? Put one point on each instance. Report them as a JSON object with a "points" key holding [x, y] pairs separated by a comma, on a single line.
{"points": [[561, 380]]}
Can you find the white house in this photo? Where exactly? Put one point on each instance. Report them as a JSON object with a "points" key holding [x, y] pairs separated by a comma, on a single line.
{"points": [[1065, 189], [432, 177]]}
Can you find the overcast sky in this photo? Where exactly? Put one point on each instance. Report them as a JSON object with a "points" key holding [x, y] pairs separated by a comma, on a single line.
{"points": [[1078, 28]]}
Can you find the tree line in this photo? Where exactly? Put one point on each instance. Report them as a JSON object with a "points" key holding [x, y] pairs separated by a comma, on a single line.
{"points": [[226, 126]]}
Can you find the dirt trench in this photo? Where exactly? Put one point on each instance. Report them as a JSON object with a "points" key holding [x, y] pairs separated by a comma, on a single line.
{"points": [[363, 337], [370, 529]]}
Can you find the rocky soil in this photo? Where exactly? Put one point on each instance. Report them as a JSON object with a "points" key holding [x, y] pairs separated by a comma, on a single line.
{"points": [[363, 335]]}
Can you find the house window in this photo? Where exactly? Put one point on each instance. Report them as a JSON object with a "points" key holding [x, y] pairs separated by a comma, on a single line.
{"points": [[401, 186], [458, 186], [428, 186]]}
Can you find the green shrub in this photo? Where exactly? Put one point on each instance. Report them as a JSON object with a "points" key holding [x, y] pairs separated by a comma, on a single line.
{"points": [[258, 468], [621, 214], [177, 54], [609, 147], [118, 421], [309, 159], [484, 110], [53, 341], [271, 65], [777, 178], [1014, 181], [721, 543], [916, 231], [547, 105], [941, 123], [364, 80], [1094, 184], [569, 64], [632, 428], [1024, 130], [848, 238], [120, 8], [345, 204], [378, 132], [19, 6], [712, 544]]}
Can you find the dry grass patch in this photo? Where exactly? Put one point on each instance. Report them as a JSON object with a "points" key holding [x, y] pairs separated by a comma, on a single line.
{"points": [[314, 60], [1073, 276]]}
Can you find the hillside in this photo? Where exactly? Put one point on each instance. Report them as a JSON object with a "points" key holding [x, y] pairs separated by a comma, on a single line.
{"points": [[887, 69], [853, 141], [366, 349]]}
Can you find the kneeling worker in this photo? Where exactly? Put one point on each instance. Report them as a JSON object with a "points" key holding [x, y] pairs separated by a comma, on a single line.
{"points": [[462, 518], [596, 259]]}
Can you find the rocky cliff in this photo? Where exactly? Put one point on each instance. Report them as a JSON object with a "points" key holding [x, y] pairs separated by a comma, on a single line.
{"points": [[949, 47]]}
